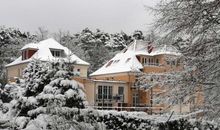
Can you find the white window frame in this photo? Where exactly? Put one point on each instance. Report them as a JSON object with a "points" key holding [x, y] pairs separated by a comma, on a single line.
{"points": [[106, 92], [56, 52]]}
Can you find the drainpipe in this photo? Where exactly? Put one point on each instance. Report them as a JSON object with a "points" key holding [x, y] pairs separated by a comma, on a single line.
{"points": [[129, 84], [151, 100], [180, 105], [7, 74], [95, 93]]}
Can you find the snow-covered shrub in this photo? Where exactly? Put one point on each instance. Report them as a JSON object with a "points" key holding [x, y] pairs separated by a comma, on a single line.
{"points": [[115, 120], [4, 95], [10, 91]]}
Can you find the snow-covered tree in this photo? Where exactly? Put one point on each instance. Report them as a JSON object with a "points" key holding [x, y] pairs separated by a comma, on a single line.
{"points": [[119, 41], [93, 46], [47, 89], [52, 83], [72, 42], [11, 41], [36, 76], [9, 91], [42, 34], [193, 27], [138, 35], [173, 89], [154, 38]]}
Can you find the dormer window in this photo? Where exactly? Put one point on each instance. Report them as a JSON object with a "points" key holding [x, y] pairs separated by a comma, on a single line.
{"points": [[56, 52], [28, 53]]}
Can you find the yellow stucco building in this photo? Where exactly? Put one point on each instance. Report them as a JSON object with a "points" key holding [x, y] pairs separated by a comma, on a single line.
{"points": [[114, 85]]}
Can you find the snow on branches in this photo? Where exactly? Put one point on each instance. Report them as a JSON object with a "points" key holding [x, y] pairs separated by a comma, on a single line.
{"points": [[193, 27]]}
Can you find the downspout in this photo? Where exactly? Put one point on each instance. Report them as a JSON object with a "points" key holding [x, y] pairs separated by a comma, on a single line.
{"points": [[151, 100], [129, 85], [94, 93], [7, 74]]}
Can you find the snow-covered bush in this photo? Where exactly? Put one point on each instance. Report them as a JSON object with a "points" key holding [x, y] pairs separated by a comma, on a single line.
{"points": [[114, 120], [91, 119], [10, 91]]}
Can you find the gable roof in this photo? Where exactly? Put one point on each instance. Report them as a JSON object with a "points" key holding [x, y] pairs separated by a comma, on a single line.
{"points": [[44, 54], [126, 60]]}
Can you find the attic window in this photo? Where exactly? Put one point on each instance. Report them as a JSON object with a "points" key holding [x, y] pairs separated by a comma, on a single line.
{"points": [[128, 60], [28, 53], [109, 63], [56, 53]]}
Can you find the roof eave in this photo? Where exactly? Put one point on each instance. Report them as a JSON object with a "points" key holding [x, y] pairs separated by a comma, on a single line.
{"points": [[112, 73]]}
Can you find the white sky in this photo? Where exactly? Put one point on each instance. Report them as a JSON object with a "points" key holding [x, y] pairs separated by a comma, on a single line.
{"points": [[74, 15]]}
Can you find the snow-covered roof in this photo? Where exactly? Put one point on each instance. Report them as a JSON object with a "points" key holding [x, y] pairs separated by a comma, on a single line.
{"points": [[43, 53], [126, 60], [122, 62], [30, 45], [140, 48]]}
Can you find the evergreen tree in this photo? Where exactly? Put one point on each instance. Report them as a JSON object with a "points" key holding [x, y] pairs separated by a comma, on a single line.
{"points": [[36, 76], [119, 41], [93, 46], [47, 87], [11, 41], [138, 35]]}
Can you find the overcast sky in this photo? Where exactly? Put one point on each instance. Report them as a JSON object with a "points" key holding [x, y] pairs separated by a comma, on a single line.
{"points": [[74, 15]]}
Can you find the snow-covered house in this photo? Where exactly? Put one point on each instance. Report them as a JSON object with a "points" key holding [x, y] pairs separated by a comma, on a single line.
{"points": [[46, 50], [113, 85]]}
